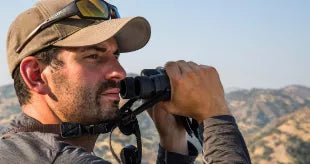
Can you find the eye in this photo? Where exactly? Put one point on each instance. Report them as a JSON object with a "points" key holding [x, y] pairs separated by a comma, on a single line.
{"points": [[92, 56]]}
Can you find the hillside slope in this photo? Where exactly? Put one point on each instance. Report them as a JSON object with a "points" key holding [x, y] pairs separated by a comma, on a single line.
{"points": [[285, 140], [274, 122], [256, 108]]}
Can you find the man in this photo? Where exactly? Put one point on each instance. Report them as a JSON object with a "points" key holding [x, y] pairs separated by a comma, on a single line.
{"points": [[63, 56]]}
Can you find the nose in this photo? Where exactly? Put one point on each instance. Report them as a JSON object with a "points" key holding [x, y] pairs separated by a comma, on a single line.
{"points": [[116, 71]]}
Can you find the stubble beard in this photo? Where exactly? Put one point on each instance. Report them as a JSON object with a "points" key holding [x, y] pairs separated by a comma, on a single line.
{"points": [[83, 104]]}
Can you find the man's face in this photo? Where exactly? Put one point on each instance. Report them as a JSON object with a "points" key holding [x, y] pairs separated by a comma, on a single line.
{"points": [[85, 88]]}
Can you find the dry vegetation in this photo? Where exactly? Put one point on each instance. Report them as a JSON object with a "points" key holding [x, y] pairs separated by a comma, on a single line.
{"points": [[275, 124]]}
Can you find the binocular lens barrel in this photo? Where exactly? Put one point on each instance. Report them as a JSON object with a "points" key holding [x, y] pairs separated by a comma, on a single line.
{"points": [[146, 86]]}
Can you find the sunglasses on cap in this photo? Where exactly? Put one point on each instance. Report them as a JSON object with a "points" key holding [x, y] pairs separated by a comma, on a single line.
{"points": [[88, 9]]}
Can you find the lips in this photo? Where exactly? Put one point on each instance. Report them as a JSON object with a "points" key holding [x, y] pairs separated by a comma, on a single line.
{"points": [[112, 94]]}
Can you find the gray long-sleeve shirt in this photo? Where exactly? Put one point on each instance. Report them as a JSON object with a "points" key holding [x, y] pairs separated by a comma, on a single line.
{"points": [[223, 142]]}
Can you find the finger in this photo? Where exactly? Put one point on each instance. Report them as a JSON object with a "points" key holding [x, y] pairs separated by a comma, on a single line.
{"points": [[209, 70], [204, 66], [173, 71], [204, 69], [184, 67], [158, 112], [193, 65]]}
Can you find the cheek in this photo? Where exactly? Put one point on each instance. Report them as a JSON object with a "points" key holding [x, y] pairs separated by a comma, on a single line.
{"points": [[84, 76], [58, 78]]}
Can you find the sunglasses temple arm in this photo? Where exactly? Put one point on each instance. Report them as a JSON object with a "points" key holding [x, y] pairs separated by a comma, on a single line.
{"points": [[68, 11], [30, 37], [114, 8]]}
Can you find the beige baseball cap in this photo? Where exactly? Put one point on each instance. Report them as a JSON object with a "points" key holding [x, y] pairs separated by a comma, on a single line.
{"points": [[131, 33]]}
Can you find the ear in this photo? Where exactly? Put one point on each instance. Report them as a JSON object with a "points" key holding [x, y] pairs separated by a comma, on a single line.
{"points": [[31, 70]]}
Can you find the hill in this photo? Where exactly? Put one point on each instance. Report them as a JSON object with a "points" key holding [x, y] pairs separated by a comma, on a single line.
{"points": [[256, 108], [274, 123], [285, 140]]}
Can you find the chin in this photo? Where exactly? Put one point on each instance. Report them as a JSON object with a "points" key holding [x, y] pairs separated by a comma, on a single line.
{"points": [[109, 113], [108, 110]]}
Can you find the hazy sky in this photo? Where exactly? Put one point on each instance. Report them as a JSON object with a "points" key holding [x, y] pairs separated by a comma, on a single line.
{"points": [[254, 43]]}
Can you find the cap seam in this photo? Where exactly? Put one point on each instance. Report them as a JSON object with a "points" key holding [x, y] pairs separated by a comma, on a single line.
{"points": [[71, 33], [62, 33], [43, 10], [47, 14], [59, 33], [62, 37]]}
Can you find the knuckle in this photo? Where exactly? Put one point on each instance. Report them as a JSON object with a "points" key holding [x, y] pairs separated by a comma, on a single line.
{"points": [[191, 62], [181, 61], [203, 66], [193, 65], [207, 70], [170, 63], [203, 69], [212, 70]]}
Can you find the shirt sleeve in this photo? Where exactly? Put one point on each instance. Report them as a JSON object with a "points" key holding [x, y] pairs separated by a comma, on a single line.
{"points": [[223, 142], [74, 155], [165, 157]]}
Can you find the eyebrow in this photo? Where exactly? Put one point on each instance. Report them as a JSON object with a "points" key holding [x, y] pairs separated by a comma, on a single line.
{"points": [[97, 48]]}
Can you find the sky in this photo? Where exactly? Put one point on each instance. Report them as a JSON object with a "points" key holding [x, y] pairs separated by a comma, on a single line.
{"points": [[252, 43]]}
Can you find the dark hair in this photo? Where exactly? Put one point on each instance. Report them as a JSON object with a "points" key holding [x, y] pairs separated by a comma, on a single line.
{"points": [[48, 56]]}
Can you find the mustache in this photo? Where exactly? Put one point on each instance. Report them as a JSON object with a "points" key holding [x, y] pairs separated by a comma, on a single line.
{"points": [[105, 86], [109, 84]]}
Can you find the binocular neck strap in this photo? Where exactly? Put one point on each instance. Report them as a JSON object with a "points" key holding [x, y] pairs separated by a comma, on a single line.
{"points": [[66, 129]]}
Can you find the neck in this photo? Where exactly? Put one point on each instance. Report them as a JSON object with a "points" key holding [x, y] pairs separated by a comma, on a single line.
{"points": [[42, 113], [86, 142]]}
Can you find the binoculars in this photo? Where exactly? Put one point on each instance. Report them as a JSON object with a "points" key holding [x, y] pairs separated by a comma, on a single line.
{"points": [[152, 82], [154, 85]]}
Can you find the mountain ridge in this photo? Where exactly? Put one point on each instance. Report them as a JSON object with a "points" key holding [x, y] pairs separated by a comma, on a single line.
{"points": [[273, 122]]}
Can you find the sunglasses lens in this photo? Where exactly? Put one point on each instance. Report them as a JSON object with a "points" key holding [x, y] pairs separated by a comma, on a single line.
{"points": [[93, 8]]}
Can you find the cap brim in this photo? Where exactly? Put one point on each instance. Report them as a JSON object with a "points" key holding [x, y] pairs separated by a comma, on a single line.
{"points": [[131, 34]]}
